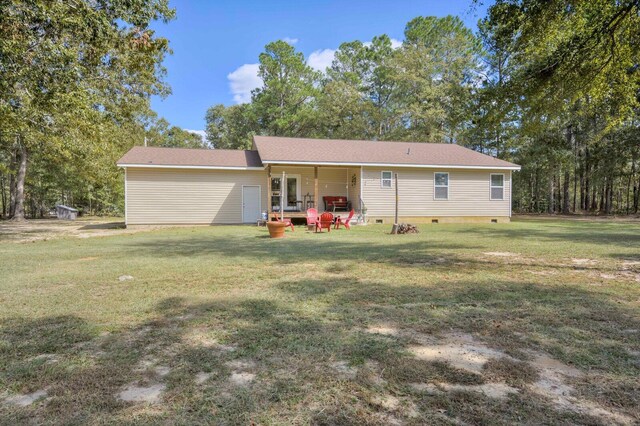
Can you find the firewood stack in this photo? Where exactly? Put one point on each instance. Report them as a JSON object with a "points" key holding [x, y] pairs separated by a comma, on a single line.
{"points": [[407, 228]]}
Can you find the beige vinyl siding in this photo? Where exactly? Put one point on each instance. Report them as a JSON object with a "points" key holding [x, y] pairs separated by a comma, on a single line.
{"points": [[332, 182], [183, 196], [469, 193]]}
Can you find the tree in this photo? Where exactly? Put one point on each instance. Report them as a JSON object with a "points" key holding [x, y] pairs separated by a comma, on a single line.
{"points": [[162, 134], [440, 63], [285, 104], [67, 65], [569, 50], [561, 98], [232, 127]]}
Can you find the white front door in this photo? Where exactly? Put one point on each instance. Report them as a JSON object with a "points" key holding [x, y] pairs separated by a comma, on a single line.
{"points": [[251, 208]]}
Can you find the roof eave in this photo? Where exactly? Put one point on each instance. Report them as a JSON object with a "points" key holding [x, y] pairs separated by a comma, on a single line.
{"points": [[424, 166], [175, 166]]}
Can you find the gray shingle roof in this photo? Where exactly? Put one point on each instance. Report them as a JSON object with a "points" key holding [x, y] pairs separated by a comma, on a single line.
{"points": [[146, 156], [316, 151], [301, 150]]}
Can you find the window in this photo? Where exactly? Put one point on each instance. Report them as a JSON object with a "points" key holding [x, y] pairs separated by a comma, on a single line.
{"points": [[441, 186], [385, 180], [497, 187]]}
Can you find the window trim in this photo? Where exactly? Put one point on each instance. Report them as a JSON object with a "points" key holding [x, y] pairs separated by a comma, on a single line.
{"points": [[491, 186], [440, 186], [382, 179]]}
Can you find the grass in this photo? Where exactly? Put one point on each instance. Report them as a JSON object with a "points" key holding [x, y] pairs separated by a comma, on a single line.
{"points": [[280, 331]]}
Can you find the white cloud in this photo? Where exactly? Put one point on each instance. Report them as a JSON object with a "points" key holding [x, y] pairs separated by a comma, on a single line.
{"points": [[200, 133], [395, 43], [242, 81], [245, 78], [321, 59]]}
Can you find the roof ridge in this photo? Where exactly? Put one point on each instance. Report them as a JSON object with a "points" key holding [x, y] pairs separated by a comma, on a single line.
{"points": [[357, 140], [195, 149]]}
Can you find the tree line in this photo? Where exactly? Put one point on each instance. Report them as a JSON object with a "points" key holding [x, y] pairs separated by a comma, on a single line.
{"points": [[76, 79], [553, 85]]}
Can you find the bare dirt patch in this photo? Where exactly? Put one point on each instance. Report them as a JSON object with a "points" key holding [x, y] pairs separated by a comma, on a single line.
{"points": [[25, 400], [492, 390], [46, 229], [554, 383], [504, 375], [459, 350], [202, 377], [583, 262], [628, 264], [162, 370], [241, 374], [87, 259], [149, 394], [344, 369], [501, 254], [384, 329], [202, 338], [631, 269], [241, 378]]}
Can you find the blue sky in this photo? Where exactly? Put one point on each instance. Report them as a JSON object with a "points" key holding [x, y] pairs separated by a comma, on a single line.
{"points": [[216, 43]]}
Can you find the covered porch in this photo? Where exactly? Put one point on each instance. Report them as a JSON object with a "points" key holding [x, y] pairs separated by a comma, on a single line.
{"points": [[294, 189]]}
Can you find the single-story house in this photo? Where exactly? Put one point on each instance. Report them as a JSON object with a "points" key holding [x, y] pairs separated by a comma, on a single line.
{"points": [[436, 182]]}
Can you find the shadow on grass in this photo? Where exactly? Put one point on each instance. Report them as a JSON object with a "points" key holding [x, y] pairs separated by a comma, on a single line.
{"points": [[343, 253], [107, 225], [611, 233], [293, 353], [292, 250]]}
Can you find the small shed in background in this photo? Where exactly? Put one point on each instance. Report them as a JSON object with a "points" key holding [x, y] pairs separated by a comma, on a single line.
{"points": [[66, 213]]}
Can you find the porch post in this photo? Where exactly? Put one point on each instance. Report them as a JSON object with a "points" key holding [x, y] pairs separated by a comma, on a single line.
{"points": [[269, 207], [315, 188]]}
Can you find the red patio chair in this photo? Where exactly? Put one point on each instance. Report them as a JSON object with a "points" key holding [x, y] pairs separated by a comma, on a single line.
{"points": [[345, 222], [283, 220], [312, 217], [325, 221]]}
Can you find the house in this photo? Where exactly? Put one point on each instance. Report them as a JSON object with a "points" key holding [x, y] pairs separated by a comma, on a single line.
{"points": [[436, 182]]}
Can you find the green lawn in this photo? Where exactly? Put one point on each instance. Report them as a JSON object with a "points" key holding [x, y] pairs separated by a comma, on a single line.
{"points": [[536, 321]]}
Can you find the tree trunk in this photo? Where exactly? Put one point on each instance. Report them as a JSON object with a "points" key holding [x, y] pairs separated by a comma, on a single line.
{"points": [[581, 168], [628, 201], [635, 186], [18, 214], [565, 193], [551, 206], [574, 141], [609, 194], [12, 183], [636, 197], [587, 170], [4, 195], [532, 200], [557, 184]]}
